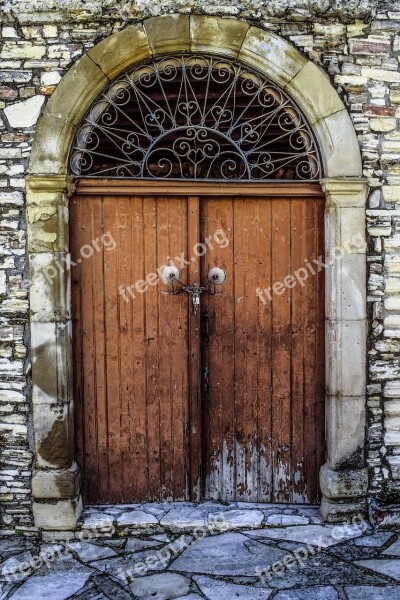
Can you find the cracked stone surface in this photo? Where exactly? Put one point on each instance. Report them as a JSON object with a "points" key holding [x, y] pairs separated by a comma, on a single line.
{"points": [[168, 585], [314, 593], [218, 589], [372, 593], [240, 551], [386, 567], [137, 517]]}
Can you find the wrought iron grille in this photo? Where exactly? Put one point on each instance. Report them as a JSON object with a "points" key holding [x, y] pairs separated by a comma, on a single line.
{"points": [[194, 117]]}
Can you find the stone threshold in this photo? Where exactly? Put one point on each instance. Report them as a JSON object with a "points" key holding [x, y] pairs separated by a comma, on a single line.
{"points": [[185, 517]]}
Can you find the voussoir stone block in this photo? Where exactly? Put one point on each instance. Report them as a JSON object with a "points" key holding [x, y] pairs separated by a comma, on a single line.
{"points": [[213, 34], [51, 145], [338, 144], [351, 483], [76, 91], [269, 53], [121, 50], [168, 33], [313, 92]]}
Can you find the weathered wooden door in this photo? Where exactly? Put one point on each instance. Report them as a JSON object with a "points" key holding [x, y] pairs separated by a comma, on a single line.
{"points": [[225, 403]]}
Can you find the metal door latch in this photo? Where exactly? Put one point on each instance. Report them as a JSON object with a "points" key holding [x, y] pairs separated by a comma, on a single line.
{"points": [[170, 275], [196, 301]]}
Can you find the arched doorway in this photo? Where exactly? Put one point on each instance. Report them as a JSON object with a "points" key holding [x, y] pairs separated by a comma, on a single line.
{"points": [[56, 481], [223, 399]]}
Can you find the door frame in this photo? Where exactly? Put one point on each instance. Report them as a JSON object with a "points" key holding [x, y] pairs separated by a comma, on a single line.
{"points": [[88, 188], [55, 484]]}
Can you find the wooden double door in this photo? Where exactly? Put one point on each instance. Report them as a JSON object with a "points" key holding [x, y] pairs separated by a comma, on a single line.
{"points": [[225, 403]]}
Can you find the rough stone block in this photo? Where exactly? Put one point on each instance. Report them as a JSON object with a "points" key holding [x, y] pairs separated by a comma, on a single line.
{"points": [[22, 50], [392, 389], [393, 303], [384, 517], [392, 438], [26, 113], [394, 462], [381, 75], [391, 193], [383, 124]]}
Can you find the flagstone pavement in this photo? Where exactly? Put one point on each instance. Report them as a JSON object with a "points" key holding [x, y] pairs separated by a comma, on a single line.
{"points": [[210, 551]]}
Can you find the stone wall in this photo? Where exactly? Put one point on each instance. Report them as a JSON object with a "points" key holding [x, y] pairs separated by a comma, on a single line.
{"points": [[358, 45]]}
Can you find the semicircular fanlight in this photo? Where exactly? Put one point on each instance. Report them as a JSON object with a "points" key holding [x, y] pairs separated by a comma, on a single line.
{"points": [[194, 117]]}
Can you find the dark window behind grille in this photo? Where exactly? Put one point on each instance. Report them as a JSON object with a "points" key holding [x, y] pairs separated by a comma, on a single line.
{"points": [[194, 117]]}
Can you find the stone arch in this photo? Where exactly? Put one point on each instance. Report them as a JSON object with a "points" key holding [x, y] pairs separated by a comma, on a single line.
{"points": [[57, 503], [268, 53]]}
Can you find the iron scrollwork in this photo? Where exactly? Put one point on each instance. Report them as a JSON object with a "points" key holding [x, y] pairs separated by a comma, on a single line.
{"points": [[194, 117]]}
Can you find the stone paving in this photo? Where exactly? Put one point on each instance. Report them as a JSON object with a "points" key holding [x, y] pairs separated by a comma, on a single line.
{"points": [[211, 551]]}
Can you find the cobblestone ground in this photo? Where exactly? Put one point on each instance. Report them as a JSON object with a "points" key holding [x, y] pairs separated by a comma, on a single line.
{"points": [[211, 551]]}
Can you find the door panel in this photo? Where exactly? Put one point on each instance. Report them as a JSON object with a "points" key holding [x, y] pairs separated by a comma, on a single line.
{"points": [[130, 357], [264, 376], [227, 403]]}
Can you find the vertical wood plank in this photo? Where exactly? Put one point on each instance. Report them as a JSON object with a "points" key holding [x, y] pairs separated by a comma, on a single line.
{"points": [[299, 252], [281, 352], [112, 355], [151, 332], [122, 229], [140, 448], [217, 214], [195, 407], [264, 351], [98, 308], [252, 208]]}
